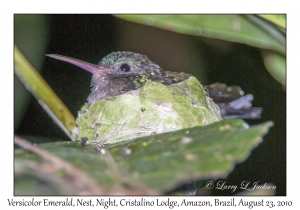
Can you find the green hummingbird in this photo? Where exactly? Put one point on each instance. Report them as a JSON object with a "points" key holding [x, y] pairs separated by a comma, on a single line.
{"points": [[121, 72], [132, 97]]}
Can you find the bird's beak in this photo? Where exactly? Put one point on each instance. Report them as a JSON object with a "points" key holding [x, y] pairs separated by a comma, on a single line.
{"points": [[82, 64]]}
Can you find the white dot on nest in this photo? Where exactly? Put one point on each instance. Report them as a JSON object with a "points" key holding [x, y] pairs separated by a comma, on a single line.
{"points": [[186, 140]]}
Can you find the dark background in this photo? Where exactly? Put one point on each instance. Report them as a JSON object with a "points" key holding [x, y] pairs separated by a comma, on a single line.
{"points": [[91, 37]]}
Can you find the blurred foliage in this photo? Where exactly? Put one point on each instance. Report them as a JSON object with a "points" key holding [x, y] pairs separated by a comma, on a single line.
{"points": [[246, 29], [159, 162]]}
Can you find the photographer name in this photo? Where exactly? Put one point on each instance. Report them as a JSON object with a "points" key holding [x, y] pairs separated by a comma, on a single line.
{"points": [[245, 185]]}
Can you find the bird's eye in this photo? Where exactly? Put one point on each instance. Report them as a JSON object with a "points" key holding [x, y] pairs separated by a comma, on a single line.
{"points": [[125, 67]]}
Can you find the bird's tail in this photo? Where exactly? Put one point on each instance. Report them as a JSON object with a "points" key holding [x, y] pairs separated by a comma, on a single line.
{"points": [[232, 101]]}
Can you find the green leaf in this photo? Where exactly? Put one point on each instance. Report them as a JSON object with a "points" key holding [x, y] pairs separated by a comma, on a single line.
{"points": [[202, 152], [162, 162], [65, 171], [276, 65], [279, 20], [249, 29]]}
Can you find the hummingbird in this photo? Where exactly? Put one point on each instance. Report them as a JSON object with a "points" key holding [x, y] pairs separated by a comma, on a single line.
{"points": [[121, 72]]}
